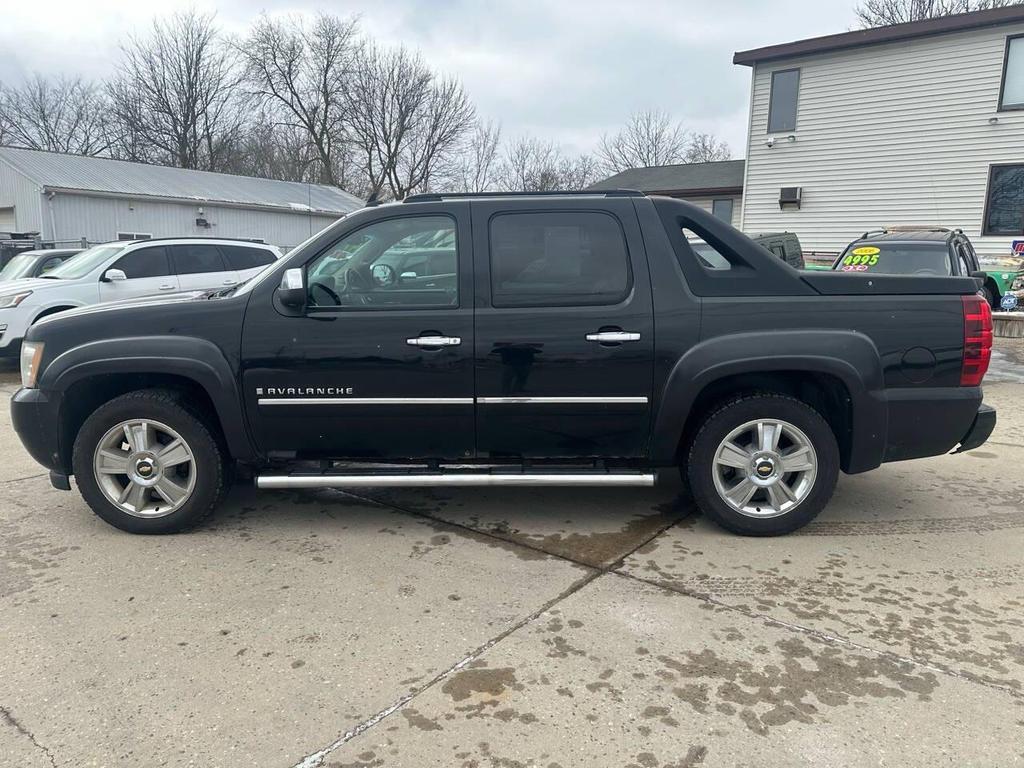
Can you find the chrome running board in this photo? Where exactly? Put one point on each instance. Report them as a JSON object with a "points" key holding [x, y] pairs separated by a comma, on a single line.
{"points": [[423, 480]]}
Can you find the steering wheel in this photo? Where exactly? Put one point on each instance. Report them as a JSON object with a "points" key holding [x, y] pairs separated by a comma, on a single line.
{"points": [[355, 280], [329, 291]]}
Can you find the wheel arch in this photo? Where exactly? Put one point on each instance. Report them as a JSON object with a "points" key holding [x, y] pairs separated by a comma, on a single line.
{"points": [[87, 376], [845, 384]]}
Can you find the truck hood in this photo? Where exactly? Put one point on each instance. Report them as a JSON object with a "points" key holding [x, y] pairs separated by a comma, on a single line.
{"points": [[121, 304]]}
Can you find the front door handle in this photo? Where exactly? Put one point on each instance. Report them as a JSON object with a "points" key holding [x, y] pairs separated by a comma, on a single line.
{"points": [[168, 287], [230, 282], [434, 341], [613, 337]]}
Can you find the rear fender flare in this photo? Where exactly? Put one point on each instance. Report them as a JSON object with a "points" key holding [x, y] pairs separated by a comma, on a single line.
{"points": [[849, 356]]}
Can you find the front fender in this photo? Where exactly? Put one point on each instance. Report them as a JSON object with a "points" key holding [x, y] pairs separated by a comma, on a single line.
{"points": [[849, 356], [196, 359]]}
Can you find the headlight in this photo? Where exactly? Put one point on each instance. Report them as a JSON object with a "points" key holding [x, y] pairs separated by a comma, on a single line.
{"points": [[13, 299], [31, 356]]}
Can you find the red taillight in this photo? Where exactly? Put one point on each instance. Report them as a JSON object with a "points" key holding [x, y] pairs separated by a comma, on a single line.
{"points": [[977, 340]]}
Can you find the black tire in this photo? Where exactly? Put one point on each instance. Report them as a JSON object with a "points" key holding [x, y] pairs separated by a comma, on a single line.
{"points": [[170, 408], [990, 296], [730, 415]]}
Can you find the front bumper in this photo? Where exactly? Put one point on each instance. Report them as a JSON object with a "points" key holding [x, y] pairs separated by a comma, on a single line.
{"points": [[980, 430], [36, 419]]}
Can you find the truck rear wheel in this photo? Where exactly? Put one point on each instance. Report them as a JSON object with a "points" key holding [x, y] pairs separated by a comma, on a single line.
{"points": [[146, 463], [763, 465]]}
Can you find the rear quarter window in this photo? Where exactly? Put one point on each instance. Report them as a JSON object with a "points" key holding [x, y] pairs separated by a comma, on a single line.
{"points": [[243, 257]]}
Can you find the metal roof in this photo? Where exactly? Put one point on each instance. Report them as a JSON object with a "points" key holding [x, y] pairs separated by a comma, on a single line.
{"points": [[723, 176], [52, 170], [913, 29]]}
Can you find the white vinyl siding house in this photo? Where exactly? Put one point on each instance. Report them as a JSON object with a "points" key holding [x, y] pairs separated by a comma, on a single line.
{"points": [[899, 132]]}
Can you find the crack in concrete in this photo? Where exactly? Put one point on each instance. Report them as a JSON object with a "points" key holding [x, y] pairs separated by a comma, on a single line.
{"points": [[316, 759], [20, 479], [12, 721]]}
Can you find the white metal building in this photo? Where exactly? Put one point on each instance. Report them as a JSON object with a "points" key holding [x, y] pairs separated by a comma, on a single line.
{"points": [[919, 123], [69, 197]]}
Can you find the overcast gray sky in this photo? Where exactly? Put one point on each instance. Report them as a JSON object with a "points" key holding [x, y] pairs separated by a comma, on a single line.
{"points": [[567, 70]]}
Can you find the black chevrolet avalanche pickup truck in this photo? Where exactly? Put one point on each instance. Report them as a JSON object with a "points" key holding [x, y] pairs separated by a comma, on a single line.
{"points": [[531, 339]]}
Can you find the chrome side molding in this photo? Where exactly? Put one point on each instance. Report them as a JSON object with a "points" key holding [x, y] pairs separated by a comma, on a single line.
{"points": [[365, 401], [631, 479], [562, 400]]}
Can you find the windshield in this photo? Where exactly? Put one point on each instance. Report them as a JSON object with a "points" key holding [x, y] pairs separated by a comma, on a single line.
{"points": [[19, 266], [84, 263], [896, 258]]}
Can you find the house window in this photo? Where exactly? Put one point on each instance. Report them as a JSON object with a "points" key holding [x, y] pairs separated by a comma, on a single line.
{"points": [[1004, 206], [782, 103], [722, 209], [1012, 94]]}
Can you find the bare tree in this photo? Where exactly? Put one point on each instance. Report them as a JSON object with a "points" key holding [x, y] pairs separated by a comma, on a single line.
{"points": [[705, 148], [648, 138], [475, 168], [406, 122], [62, 115], [534, 165], [881, 13], [302, 72], [177, 94]]}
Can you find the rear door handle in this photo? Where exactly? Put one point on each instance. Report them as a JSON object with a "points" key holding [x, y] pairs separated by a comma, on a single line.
{"points": [[230, 282], [613, 337], [167, 287], [434, 341]]}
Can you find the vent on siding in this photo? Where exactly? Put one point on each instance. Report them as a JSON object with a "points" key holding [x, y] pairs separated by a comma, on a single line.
{"points": [[790, 196]]}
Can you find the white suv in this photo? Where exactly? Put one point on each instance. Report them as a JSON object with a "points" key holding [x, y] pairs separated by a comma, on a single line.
{"points": [[127, 270]]}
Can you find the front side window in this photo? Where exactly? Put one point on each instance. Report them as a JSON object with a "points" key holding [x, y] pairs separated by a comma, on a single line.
{"points": [[1012, 94], [145, 262], [722, 209], [196, 259], [403, 263], [1004, 208], [558, 259], [783, 100]]}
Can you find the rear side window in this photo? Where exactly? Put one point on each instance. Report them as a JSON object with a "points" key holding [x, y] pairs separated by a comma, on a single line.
{"points": [[145, 262], [560, 259], [196, 259], [243, 257]]}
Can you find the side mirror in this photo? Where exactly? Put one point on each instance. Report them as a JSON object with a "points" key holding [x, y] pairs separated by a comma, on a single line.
{"points": [[114, 276], [292, 291]]}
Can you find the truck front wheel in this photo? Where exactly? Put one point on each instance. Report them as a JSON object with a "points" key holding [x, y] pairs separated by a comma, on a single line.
{"points": [[763, 465], [146, 463]]}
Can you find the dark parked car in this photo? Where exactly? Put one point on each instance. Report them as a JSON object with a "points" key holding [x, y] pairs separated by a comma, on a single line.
{"points": [[930, 251], [532, 339], [35, 263]]}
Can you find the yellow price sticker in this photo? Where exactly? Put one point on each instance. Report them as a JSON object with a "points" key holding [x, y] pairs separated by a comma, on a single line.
{"points": [[867, 250]]}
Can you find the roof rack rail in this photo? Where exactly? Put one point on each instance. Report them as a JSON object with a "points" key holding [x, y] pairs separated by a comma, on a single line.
{"points": [[430, 197]]}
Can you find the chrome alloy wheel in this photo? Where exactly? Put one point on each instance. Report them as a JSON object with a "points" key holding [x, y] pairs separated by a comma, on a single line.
{"points": [[765, 468], [144, 468]]}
